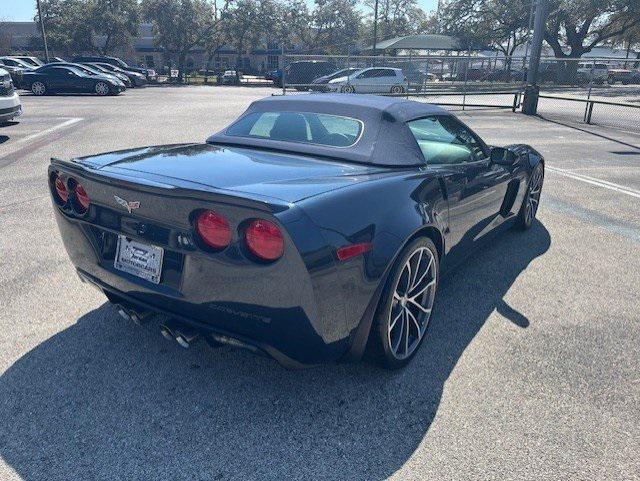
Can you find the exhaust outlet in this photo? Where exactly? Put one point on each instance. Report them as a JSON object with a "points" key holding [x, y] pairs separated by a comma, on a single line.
{"points": [[183, 334]]}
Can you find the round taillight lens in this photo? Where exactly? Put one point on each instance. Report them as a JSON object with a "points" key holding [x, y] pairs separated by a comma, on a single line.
{"points": [[213, 229], [82, 198], [264, 240], [61, 189]]}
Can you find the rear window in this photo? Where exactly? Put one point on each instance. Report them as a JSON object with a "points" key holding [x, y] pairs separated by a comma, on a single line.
{"points": [[303, 127]]}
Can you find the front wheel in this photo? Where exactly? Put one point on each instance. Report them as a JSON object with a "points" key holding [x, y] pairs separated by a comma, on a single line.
{"points": [[102, 89], [531, 200], [347, 89], [406, 304], [397, 89]]}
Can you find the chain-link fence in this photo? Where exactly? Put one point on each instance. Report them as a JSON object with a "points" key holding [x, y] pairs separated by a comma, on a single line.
{"points": [[599, 91], [454, 79], [590, 90]]}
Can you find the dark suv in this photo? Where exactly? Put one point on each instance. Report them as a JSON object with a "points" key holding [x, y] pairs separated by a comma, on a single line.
{"points": [[302, 74]]}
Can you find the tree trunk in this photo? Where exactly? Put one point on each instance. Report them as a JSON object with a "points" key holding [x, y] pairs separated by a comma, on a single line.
{"points": [[182, 57]]}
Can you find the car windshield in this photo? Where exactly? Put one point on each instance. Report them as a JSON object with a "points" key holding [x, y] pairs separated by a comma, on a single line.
{"points": [[305, 127]]}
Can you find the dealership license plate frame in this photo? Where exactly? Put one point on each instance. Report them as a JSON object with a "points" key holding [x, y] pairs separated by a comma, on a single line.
{"points": [[149, 252]]}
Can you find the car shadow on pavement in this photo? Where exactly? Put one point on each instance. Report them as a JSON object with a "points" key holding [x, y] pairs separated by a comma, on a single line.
{"points": [[105, 399]]}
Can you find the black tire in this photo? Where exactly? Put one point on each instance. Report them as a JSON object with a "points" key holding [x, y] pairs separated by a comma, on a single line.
{"points": [[347, 89], [525, 218], [380, 336], [397, 89]]}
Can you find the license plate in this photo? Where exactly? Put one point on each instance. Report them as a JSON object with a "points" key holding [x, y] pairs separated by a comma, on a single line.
{"points": [[139, 259]]}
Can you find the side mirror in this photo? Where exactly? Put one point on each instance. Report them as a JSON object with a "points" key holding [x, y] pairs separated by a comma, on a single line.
{"points": [[502, 156]]}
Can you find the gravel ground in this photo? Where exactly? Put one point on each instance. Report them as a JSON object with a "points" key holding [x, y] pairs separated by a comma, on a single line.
{"points": [[530, 370]]}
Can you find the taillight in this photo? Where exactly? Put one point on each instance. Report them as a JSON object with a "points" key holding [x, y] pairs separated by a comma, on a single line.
{"points": [[82, 198], [61, 189], [264, 240], [213, 229]]}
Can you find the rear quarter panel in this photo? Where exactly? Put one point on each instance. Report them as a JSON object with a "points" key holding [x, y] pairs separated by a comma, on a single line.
{"points": [[386, 212]]}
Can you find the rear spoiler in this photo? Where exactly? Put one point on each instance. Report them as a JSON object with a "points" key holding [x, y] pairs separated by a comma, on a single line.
{"points": [[153, 183]]}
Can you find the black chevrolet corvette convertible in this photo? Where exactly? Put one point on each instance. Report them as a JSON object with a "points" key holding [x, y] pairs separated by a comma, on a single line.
{"points": [[310, 228]]}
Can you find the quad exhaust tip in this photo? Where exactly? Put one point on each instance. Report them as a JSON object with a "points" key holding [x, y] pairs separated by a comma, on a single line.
{"points": [[184, 335], [138, 317]]}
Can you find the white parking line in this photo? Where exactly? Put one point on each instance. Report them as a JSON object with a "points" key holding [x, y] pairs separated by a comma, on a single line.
{"points": [[18, 144], [597, 182]]}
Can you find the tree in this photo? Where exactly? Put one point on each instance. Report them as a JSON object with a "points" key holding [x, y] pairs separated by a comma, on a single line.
{"points": [[68, 24], [396, 18], [244, 25], [335, 24], [502, 24], [179, 25], [575, 27], [114, 23]]}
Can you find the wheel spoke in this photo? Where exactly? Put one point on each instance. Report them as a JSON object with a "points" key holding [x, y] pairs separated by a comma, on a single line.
{"points": [[426, 271], [419, 306], [415, 322], [402, 328], [415, 274], [395, 319], [429, 284]]}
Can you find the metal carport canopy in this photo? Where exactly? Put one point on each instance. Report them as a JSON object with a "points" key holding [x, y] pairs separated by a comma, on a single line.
{"points": [[424, 42]]}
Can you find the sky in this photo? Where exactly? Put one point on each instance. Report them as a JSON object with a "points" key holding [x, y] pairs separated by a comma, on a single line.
{"points": [[24, 10]]}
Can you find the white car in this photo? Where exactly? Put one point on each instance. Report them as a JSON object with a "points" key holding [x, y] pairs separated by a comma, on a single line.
{"points": [[598, 72], [372, 80], [10, 106]]}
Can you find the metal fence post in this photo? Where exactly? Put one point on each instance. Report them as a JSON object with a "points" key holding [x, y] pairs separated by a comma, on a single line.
{"points": [[283, 69], [589, 111], [464, 88]]}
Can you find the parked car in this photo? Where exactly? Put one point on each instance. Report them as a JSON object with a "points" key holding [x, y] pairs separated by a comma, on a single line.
{"points": [[35, 62], [624, 76], [105, 71], [310, 228], [54, 78], [593, 72], [136, 78], [302, 73], [274, 75], [230, 77], [92, 70], [149, 73], [371, 80], [10, 106], [15, 72], [319, 84], [15, 62]]}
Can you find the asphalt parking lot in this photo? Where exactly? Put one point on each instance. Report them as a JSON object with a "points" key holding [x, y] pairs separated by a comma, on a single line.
{"points": [[530, 369]]}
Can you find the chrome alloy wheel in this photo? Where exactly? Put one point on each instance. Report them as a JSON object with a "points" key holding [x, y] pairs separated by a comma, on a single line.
{"points": [[38, 88], [412, 303], [535, 190], [102, 88]]}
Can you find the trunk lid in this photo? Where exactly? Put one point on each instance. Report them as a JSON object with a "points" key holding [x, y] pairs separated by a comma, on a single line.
{"points": [[283, 176]]}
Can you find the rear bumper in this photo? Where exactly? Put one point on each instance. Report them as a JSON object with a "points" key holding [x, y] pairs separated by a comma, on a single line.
{"points": [[203, 328], [277, 309]]}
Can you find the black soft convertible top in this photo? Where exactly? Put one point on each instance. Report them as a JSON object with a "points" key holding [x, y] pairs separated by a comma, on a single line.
{"points": [[385, 140]]}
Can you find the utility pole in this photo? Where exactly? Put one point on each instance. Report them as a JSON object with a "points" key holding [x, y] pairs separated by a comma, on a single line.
{"points": [[532, 91], [44, 35], [375, 27]]}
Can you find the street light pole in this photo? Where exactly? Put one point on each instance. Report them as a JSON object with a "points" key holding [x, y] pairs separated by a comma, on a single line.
{"points": [[44, 35], [375, 27]]}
